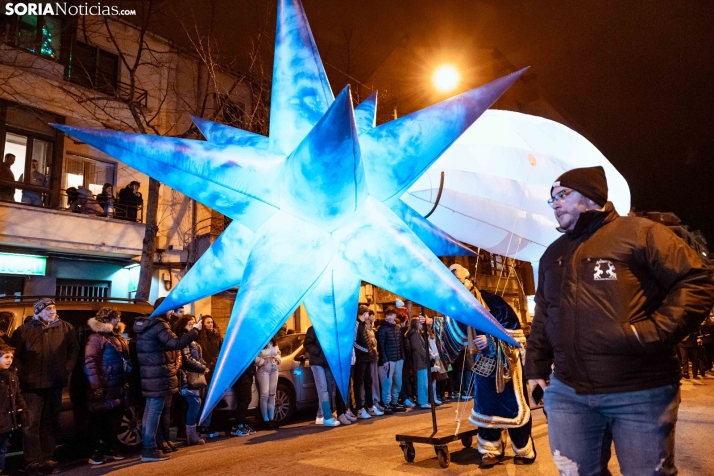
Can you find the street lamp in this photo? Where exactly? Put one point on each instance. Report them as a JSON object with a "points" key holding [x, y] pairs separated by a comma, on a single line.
{"points": [[445, 78]]}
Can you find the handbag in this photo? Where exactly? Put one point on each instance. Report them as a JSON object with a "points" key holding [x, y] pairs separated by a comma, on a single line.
{"points": [[195, 380], [483, 366]]}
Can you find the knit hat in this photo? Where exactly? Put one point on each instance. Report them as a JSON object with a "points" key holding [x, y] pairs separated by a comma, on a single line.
{"points": [[42, 303], [106, 314], [590, 181]]}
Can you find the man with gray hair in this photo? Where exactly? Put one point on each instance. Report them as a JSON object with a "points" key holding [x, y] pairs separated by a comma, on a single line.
{"points": [[615, 296], [46, 353]]}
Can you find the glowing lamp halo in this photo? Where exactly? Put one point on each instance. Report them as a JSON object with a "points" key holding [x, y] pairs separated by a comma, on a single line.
{"points": [[445, 78]]}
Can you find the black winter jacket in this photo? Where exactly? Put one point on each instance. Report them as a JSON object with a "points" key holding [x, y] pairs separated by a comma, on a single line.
{"points": [[45, 355], [364, 352], [390, 345], [11, 401], [104, 357], [210, 343], [595, 284], [155, 348], [192, 362], [313, 347]]}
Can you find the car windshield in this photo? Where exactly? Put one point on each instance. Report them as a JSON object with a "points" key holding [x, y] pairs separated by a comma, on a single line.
{"points": [[290, 343]]}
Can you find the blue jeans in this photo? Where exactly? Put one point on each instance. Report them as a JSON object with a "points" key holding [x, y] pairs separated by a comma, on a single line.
{"points": [[422, 386], [324, 383], [267, 378], [194, 406], [391, 381], [641, 424], [150, 421], [4, 438]]}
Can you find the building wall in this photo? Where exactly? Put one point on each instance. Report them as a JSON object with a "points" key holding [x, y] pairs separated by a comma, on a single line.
{"points": [[177, 83]]}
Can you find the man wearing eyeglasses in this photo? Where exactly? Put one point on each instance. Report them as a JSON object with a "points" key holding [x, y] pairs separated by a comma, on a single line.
{"points": [[615, 296]]}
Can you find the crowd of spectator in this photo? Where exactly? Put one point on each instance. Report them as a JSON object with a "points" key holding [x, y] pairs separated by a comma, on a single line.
{"points": [[124, 206]]}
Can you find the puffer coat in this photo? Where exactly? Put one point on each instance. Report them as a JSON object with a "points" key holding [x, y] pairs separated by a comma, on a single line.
{"points": [[105, 356], [11, 401], [389, 339], [155, 348], [364, 350]]}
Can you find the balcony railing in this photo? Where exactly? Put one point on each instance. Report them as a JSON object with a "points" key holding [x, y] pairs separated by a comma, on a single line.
{"points": [[40, 197], [90, 206]]}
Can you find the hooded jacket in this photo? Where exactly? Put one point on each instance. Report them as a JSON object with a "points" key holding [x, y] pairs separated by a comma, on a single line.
{"points": [[45, 355], [104, 363], [155, 348], [595, 284]]}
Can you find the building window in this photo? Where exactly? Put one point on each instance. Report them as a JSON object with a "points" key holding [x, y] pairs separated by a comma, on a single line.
{"points": [[27, 160], [84, 172], [82, 289], [93, 68], [38, 34]]}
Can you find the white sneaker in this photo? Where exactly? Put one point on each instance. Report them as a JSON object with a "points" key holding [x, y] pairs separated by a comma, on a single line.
{"points": [[374, 411], [350, 416], [343, 419], [408, 403], [363, 415], [425, 405], [331, 422], [437, 402], [319, 421]]}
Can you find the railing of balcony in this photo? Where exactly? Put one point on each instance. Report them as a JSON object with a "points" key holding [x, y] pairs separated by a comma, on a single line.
{"points": [[77, 203], [40, 197]]}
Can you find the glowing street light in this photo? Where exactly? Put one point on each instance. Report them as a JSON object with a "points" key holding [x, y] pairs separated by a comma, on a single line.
{"points": [[445, 78]]}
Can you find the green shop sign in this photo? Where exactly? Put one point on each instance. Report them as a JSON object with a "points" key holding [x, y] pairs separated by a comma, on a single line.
{"points": [[22, 264]]}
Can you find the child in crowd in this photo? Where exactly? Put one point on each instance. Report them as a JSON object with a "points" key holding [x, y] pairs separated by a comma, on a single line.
{"points": [[11, 402]]}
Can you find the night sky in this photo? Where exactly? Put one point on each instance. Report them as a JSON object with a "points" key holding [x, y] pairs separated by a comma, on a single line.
{"points": [[635, 77]]}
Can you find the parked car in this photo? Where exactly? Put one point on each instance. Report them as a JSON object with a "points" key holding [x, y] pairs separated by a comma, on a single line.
{"points": [[296, 386]]}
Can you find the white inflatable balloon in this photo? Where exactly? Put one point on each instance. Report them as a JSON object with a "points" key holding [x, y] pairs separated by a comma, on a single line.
{"points": [[497, 179]]}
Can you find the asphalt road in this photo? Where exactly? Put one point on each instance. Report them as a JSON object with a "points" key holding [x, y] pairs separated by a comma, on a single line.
{"points": [[369, 448]]}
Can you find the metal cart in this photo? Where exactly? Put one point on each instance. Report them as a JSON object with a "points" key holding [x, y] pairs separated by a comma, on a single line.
{"points": [[439, 439]]}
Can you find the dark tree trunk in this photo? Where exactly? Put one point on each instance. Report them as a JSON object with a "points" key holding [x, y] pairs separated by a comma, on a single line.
{"points": [[147, 254]]}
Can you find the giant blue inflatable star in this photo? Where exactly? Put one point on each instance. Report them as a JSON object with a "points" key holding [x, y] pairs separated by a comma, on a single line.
{"points": [[315, 205]]}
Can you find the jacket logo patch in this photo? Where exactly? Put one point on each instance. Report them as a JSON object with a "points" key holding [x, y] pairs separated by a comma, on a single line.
{"points": [[603, 274]]}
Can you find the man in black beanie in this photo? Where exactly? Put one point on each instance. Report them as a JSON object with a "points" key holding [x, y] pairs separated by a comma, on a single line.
{"points": [[615, 296]]}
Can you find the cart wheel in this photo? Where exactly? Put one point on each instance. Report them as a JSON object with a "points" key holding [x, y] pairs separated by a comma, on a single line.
{"points": [[409, 452], [467, 441], [442, 454]]}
